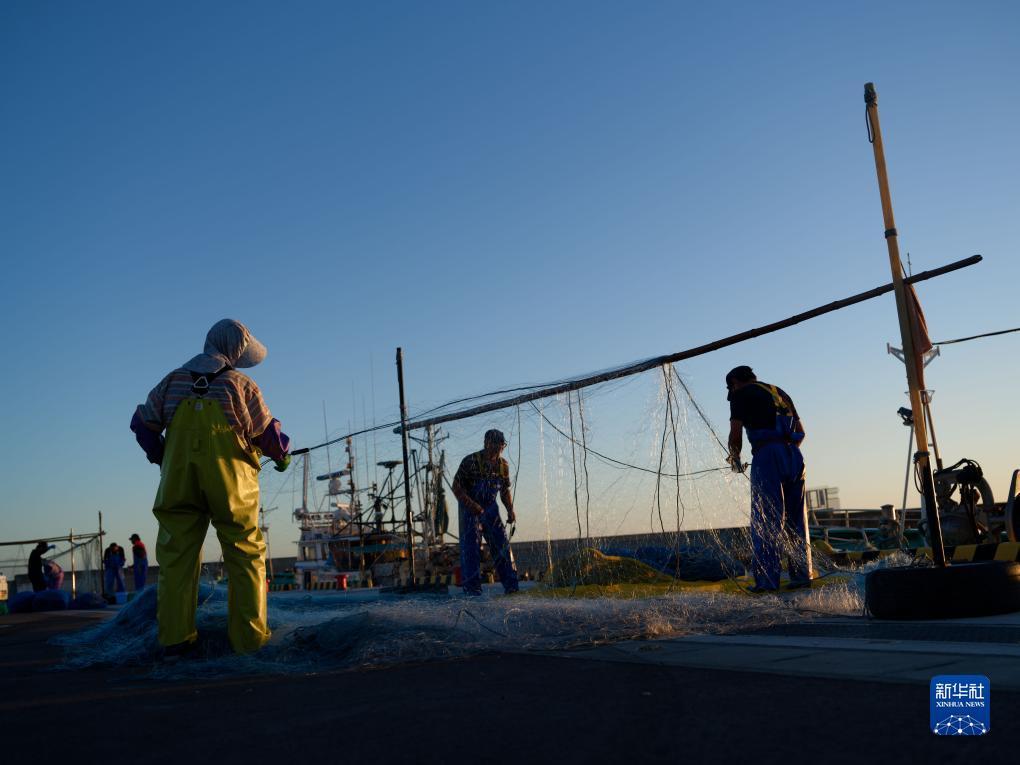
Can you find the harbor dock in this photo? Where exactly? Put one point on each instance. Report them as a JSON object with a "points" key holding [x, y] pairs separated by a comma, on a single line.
{"points": [[843, 689]]}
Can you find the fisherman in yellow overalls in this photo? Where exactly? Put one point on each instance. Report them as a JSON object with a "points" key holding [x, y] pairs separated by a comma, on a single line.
{"points": [[217, 425]]}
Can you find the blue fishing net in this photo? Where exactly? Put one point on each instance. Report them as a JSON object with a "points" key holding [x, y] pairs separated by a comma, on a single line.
{"points": [[318, 632]]}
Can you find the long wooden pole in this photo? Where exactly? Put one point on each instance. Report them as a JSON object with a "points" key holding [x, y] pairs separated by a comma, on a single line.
{"points": [[658, 361], [102, 573], [921, 457], [74, 573], [407, 472]]}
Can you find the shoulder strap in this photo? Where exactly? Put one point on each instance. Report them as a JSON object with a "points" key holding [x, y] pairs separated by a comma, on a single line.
{"points": [[483, 469], [781, 405], [200, 382]]}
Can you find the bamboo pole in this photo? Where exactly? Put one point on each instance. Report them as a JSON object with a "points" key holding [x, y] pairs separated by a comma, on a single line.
{"points": [[61, 538], [658, 361], [913, 365]]}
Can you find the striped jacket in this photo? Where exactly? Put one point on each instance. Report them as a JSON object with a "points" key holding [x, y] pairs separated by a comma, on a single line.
{"points": [[238, 396]]}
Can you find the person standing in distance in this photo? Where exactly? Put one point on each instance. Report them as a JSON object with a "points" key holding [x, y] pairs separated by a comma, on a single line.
{"points": [[481, 477], [139, 562], [778, 512]]}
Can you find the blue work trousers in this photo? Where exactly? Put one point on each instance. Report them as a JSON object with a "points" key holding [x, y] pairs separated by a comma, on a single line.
{"points": [[778, 514], [115, 580], [141, 572], [472, 529]]}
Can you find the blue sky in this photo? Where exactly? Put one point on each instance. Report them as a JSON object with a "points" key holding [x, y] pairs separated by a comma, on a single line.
{"points": [[511, 192]]}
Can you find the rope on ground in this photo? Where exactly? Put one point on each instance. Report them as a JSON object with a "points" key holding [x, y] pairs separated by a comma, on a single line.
{"points": [[478, 621]]}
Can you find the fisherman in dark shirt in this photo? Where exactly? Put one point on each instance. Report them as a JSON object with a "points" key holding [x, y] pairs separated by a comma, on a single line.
{"points": [[113, 565], [481, 477], [778, 513], [35, 567]]}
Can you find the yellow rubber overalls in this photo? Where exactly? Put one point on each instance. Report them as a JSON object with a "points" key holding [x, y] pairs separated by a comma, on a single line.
{"points": [[208, 474]]}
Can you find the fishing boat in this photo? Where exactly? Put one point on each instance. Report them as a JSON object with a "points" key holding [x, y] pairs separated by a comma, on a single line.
{"points": [[346, 542]]}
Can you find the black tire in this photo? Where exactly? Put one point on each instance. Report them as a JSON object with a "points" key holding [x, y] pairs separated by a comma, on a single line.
{"points": [[961, 590]]}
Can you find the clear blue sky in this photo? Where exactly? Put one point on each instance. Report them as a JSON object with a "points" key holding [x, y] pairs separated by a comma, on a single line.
{"points": [[513, 192]]}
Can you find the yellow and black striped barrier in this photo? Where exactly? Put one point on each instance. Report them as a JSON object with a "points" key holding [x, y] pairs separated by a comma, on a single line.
{"points": [[434, 579], [1002, 551], [323, 585], [451, 579], [448, 579]]}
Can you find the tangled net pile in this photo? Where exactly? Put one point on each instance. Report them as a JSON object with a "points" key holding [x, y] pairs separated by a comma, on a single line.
{"points": [[333, 631]]}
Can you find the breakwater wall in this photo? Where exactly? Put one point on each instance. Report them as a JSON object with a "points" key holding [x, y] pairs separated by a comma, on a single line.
{"points": [[534, 556]]}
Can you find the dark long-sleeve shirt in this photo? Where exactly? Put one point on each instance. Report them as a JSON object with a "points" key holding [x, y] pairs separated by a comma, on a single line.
{"points": [[35, 569], [138, 553]]}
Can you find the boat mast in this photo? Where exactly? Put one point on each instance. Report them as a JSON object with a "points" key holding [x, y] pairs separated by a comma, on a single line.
{"points": [[305, 467], [355, 509], [430, 487], [407, 472]]}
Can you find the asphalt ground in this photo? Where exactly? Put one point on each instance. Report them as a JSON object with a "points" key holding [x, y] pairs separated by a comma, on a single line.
{"points": [[678, 700]]}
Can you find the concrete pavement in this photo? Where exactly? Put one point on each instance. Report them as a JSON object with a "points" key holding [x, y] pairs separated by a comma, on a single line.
{"points": [[762, 698]]}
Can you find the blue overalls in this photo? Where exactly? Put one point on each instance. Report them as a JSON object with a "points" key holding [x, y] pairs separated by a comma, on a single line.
{"points": [[114, 568], [778, 514], [489, 524], [140, 569]]}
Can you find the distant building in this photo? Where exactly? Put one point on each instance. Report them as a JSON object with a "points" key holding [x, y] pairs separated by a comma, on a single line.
{"points": [[825, 498]]}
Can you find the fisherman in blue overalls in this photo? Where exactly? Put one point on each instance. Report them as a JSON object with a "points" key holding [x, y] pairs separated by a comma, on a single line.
{"points": [[778, 514], [481, 477]]}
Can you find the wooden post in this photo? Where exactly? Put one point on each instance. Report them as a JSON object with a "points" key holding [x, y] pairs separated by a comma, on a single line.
{"points": [[74, 583], [407, 471], [102, 572], [264, 528], [921, 457]]}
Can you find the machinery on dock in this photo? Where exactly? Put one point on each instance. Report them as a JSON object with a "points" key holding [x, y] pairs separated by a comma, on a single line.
{"points": [[967, 510]]}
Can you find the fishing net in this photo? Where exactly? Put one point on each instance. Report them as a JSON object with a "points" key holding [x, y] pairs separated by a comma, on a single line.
{"points": [[316, 632], [71, 564], [627, 472], [631, 468]]}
